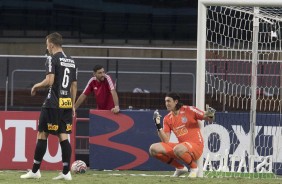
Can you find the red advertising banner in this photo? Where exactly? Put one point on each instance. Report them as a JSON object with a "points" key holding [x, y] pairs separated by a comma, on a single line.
{"points": [[18, 135]]}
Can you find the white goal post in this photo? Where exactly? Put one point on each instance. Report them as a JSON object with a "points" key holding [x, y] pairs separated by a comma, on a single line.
{"points": [[246, 51]]}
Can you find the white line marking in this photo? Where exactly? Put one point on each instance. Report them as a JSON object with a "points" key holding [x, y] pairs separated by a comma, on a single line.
{"points": [[145, 175]]}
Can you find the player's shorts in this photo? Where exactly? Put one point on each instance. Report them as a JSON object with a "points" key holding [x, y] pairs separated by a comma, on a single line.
{"points": [[55, 121], [195, 150]]}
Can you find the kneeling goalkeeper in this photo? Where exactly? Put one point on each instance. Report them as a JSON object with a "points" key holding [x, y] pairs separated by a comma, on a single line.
{"points": [[182, 120]]}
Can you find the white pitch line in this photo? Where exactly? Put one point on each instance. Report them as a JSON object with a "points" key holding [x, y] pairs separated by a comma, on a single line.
{"points": [[145, 175]]}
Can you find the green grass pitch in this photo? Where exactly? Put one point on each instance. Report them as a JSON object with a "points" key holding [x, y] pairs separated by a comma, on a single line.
{"points": [[130, 177]]}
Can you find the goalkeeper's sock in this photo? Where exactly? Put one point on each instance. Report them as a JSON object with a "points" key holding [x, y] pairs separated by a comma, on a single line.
{"points": [[66, 155], [187, 158], [169, 160], [40, 150]]}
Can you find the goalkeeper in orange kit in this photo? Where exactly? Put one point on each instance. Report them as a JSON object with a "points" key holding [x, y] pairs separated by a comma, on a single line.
{"points": [[182, 120]]}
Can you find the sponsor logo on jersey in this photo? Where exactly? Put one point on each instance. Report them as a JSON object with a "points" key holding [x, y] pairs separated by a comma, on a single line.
{"points": [[65, 103], [68, 65], [63, 92], [183, 119], [180, 131], [67, 60], [53, 127], [69, 127]]}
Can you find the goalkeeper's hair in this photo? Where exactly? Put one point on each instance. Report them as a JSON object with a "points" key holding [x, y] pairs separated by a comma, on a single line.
{"points": [[175, 96]]}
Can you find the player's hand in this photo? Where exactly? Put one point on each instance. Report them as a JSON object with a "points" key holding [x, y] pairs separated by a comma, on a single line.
{"points": [[115, 110], [33, 91], [157, 119], [210, 113]]}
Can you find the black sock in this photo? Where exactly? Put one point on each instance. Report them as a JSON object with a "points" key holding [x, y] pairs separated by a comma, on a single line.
{"points": [[40, 150], [66, 155]]}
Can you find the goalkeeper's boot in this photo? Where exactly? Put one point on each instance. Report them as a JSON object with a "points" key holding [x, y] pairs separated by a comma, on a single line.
{"points": [[179, 172], [63, 176], [31, 175], [193, 173]]}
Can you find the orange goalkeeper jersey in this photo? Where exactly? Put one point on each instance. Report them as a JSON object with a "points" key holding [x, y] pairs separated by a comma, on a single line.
{"points": [[185, 125]]}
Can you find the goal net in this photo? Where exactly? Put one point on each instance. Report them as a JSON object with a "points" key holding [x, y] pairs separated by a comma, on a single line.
{"points": [[243, 81]]}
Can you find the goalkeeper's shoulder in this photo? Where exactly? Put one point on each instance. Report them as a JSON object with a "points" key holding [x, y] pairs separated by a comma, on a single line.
{"points": [[167, 116]]}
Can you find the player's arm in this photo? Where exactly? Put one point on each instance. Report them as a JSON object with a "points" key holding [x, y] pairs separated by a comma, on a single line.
{"points": [[80, 100], [47, 82], [164, 136], [87, 91], [208, 115], [116, 102], [73, 91]]}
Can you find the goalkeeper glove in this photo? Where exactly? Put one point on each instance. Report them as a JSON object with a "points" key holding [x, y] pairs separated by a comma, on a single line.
{"points": [[157, 119], [210, 112]]}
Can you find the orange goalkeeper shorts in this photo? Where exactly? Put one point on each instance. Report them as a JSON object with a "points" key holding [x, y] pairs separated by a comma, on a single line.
{"points": [[195, 149]]}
